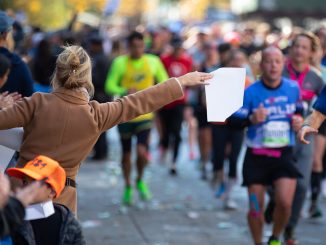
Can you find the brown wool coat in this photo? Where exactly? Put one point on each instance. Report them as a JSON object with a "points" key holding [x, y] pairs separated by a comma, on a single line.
{"points": [[64, 125]]}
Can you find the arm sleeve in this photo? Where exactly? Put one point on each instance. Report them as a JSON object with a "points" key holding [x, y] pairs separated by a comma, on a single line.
{"points": [[112, 86], [75, 230], [160, 72], [320, 104], [19, 115], [142, 102]]}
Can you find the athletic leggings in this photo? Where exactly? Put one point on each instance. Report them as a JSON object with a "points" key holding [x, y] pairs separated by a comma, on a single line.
{"points": [[171, 120], [222, 135]]}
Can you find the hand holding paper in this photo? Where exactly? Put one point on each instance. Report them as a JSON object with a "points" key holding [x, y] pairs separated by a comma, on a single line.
{"points": [[224, 94]]}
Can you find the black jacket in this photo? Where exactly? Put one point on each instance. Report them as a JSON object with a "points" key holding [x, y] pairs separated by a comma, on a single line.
{"points": [[100, 67], [20, 78], [70, 230], [11, 217]]}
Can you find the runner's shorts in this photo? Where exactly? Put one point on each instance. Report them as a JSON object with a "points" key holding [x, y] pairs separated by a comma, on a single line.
{"points": [[264, 170], [139, 129], [322, 129]]}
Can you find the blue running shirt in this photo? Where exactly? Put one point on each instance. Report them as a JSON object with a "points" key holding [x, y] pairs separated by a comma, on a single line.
{"points": [[282, 103]]}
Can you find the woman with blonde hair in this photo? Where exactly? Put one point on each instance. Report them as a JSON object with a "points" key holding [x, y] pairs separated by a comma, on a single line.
{"points": [[65, 124]]}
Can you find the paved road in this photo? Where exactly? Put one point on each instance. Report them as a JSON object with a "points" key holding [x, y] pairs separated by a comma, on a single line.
{"points": [[182, 212]]}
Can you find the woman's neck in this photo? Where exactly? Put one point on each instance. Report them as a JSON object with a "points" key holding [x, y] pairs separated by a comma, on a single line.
{"points": [[299, 66]]}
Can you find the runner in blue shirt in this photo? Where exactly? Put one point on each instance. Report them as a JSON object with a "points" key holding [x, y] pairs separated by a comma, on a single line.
{"points": [[271, 111]]}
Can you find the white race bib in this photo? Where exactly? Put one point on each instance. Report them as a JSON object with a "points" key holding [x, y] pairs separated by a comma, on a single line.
{"points": [[276, 134]]}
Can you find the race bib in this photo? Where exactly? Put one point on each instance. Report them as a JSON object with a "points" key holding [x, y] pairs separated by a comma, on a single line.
{"points": [[276, 134]]}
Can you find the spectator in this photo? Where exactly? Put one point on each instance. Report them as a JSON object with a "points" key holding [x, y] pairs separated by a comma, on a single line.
{"points": [[6, 99], [57, 229], [12, 208], [19, 79], [43, 66], [100, 68]]}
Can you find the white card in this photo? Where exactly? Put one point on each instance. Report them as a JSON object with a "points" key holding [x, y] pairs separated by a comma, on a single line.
{"points": [[224, 94], [12, 138], [39, 210], [6, 155], [10, 141]]}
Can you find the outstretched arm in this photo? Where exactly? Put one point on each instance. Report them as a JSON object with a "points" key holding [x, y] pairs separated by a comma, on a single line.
{"points": [[148, 100]]}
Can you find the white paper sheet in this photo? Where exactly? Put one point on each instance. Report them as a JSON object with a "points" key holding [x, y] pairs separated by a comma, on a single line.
{"points": [[224, 94], [12, 138], [10, 141], [5, 156]]}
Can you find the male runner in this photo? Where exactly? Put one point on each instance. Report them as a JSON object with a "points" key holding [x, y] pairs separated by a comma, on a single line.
{"points": [[131, 73], [270, 111]]}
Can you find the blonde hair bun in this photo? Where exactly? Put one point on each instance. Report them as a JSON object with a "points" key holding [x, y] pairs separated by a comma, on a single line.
{"points": [[73, 69]]}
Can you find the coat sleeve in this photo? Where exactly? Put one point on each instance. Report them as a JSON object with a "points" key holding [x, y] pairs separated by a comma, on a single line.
{"points": [[11, 217], [19, 115], [142, 102], [74, 232]]}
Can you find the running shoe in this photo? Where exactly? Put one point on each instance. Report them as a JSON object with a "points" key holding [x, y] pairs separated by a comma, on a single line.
{"points": [[229, 204], [144, 192], [173, 171], [289, 237], [274, 242], [291, 242], [128, 196], [315, 212], [220, 190], [203, 172]]}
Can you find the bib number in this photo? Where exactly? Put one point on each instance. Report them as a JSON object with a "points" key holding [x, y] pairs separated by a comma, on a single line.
{"points": [[276, 134]]}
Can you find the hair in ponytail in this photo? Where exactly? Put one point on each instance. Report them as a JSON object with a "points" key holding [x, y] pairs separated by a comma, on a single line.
{"points": [[73, 70]]}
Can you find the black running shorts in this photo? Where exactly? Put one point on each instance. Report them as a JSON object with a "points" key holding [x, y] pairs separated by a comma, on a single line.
{"points": [[264, 170]]}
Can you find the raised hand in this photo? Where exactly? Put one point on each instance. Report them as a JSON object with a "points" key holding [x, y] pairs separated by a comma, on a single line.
{"points": [[15, 96], [259, 115], [304, 131], [5, 100], [33, 193]]}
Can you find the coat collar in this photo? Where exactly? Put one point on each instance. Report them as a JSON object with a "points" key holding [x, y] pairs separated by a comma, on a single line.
{"points": [[75, 96]]}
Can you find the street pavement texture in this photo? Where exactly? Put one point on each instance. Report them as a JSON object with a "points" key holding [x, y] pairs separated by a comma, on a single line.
{"points": [[183, 210]]}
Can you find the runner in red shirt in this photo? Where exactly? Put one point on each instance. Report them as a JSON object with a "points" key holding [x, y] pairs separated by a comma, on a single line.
{"points": [[176, 63]]}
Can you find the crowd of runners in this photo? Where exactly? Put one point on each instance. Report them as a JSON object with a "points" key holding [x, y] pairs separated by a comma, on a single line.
{"points": [[151, 78]]}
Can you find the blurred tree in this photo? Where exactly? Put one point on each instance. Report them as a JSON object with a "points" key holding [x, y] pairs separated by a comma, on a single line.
{"points": [[52, 14], [193, 9]]}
